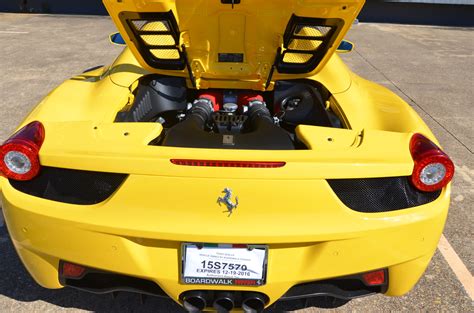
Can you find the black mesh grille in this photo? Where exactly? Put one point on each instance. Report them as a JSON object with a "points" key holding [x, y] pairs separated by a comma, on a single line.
{"points": [[372, 195], [71, 186]]}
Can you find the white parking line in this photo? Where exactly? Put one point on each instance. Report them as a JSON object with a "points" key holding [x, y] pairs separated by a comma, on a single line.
{"points": [[12, 32], [456, 264]]}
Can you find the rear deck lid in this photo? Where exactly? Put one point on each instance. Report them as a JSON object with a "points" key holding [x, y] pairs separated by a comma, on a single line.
{"points": [[257, 41]]}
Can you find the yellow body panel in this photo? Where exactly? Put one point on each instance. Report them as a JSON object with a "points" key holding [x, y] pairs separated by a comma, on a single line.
{"points": [[138, 231], [254, 28], [319, 241]]}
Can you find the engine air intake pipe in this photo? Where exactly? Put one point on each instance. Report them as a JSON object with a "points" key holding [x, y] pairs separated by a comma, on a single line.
{"points": [[194, 301], [201, 111], [258, 110]]}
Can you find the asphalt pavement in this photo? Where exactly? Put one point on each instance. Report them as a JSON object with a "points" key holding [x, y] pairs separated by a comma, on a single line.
{"points": [[432, 68]]}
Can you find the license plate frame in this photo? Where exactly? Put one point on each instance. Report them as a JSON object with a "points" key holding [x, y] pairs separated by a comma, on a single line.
{"points": [[254, 252]]}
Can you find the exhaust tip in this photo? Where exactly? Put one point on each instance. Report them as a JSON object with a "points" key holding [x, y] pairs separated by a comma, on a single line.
{"points": [[224, 302], [194, 302], [253, 303]]}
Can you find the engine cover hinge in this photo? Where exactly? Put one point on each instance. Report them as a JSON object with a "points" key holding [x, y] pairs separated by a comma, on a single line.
{"points": [[233, 2]]}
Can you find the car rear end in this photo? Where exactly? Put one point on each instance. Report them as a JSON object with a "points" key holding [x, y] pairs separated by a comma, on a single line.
{"points": [[108, 212], [145, 177]]}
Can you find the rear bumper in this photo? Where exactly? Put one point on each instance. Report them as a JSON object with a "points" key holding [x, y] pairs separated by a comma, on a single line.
{"points": [[143, 240]]}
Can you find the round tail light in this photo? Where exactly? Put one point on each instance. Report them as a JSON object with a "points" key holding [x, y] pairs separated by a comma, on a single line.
{"points": [[433, 168], [19, 159]]}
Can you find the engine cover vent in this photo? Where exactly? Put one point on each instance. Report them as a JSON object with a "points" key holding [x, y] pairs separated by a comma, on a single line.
{"points": [[306, 41], [156, 37]]}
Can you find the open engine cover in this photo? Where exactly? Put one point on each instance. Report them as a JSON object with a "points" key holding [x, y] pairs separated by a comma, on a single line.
{"points": [[243, 41]]}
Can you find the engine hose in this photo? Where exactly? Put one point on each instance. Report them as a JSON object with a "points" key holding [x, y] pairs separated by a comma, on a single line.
{"points": [[258, 111], [201, 111]]}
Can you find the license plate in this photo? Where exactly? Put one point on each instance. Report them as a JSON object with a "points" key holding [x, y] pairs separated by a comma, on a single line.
{"points": [[208, 264]]}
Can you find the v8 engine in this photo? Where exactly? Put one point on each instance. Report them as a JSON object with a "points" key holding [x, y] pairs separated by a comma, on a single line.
{"points": [[227, 119]]}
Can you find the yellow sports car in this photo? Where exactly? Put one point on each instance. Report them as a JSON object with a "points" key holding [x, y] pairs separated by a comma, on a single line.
{"points": [[227, 160]]}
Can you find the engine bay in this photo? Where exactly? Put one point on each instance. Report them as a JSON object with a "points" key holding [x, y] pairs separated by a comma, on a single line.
{"points": [[228, 118]]}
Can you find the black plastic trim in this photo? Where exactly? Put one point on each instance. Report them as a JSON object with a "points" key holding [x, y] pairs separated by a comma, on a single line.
{"points": [[100, 282], [329, 293], [384, 194], [318, 54], [347, 287], [92, 69], [326, 293], [71, 186], [328, 288], [233, 2], [155, 32], [165, 64], [320, 38]]}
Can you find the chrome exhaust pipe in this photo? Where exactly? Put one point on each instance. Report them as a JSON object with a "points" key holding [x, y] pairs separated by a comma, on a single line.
{"points": [[253, 303], [224, 302], [194, 301]]}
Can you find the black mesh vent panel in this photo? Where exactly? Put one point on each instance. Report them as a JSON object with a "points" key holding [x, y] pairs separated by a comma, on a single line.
{"points": [[372, 195], [71, 186]]}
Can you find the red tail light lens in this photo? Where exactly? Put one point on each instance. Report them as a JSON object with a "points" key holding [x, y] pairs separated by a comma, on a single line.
{"points": [[374, 278], [220, 163], [433, 168], [19, 158]]}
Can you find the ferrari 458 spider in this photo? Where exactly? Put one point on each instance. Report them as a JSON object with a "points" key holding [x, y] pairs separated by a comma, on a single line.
{"points": [[227, 160]]}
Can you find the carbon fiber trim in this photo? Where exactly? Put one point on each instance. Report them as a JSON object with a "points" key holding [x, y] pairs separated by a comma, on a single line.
{"points": [[373, 195], [71, 186]]}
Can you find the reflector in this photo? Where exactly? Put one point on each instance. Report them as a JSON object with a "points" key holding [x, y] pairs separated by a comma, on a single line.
{"points": [[71, 270], [374, 278]]}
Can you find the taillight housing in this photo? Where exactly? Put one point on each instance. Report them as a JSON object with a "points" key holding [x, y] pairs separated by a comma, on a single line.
{"points": [[433, 168], [19, 155]]}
